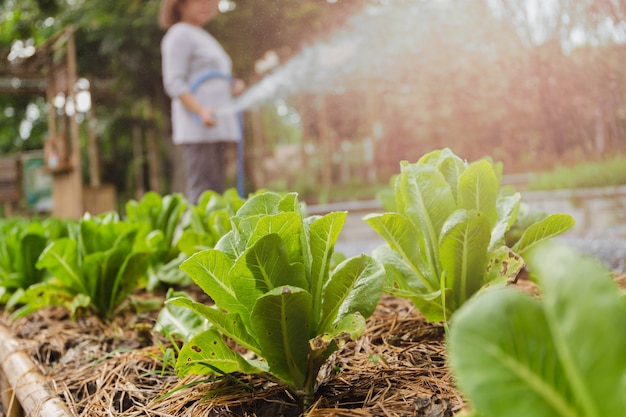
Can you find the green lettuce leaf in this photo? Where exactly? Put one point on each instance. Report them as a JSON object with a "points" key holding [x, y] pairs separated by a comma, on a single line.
{"points": [[281, 321], [561, 355], [450, 224], [549, 227], [463, 253], [355, 287], [208, 354]]}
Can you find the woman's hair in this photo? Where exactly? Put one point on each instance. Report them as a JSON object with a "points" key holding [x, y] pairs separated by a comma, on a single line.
{"points": [[169, 13]]}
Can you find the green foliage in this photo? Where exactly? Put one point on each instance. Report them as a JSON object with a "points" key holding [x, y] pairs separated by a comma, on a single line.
{"points": [[15, 110], [584, 175], [276, 295], [524, 219], [177, 321], [447, 238], [558, 355], [25, 19], [22, 21], [160, 217], [209, 220], [97, 268], [22, 243]]}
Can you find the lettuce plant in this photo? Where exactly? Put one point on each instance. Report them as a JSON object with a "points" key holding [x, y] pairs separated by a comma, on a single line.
{"points": [[209, 220], [21, 244], [161, 219], [97, 268], [162, 216], [179, 321], [446, 239], [276, 295], [557, 355]]}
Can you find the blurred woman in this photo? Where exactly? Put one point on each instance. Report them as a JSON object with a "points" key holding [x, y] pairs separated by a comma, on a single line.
{"points": [[197, 77]]}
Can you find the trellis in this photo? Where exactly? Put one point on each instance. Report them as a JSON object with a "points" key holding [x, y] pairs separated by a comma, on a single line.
{"points": [[52, 71]]}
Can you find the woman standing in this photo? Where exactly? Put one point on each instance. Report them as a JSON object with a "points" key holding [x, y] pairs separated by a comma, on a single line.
{"points": [[197, 77]]}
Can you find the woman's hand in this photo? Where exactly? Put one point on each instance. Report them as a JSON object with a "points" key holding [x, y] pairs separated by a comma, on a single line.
{"points": [[207, 116]]}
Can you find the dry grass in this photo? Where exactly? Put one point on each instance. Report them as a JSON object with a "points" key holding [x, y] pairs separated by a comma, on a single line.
{"points": [[396, 369]]}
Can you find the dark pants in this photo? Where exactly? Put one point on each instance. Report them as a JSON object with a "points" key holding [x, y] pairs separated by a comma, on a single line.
{"points": [[205, 165]]}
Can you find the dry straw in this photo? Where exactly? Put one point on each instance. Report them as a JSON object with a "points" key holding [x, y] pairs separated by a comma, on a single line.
{"points": [[397, 368]]}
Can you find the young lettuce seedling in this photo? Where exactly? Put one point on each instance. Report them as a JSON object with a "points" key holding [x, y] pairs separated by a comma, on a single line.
{"points": [[209, 220], [22, 242], [446, 239], [276, 295], [160, 218], [97, 269]]}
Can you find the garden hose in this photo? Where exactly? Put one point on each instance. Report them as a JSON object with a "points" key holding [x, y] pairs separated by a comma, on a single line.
{"points": [[240, 149]]}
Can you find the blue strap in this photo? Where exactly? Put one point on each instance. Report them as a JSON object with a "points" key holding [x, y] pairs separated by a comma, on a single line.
{"points": [[202, 78], [240, 156]]}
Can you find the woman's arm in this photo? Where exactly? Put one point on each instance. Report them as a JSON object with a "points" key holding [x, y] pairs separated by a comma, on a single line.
{"points": [[176, 51], [206, 114]]}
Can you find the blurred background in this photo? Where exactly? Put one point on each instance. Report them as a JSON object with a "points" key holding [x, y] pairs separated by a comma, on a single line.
{"points": [[340, 91]]}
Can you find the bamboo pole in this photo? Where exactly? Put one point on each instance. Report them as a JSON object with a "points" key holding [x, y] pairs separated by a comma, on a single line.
{"points": [[30, 386], [10, 405]]}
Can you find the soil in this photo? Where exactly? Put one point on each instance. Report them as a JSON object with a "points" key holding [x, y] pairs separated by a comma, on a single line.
{"points": [[397, 368]]}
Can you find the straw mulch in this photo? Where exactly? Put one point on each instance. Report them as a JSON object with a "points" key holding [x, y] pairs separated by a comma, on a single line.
{"points": [[396, 369]]}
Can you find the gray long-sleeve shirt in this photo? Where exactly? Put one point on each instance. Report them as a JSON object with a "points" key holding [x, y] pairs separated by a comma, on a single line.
{"points": [[188, 52]]}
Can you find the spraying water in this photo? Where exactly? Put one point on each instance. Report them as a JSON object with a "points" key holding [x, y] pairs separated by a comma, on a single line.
{"points": [[370, 46], [362, 46], [285, 80]]}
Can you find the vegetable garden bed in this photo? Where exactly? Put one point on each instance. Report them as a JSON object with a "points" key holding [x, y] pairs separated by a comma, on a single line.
{"points": [[396, 368], [263, 318]]}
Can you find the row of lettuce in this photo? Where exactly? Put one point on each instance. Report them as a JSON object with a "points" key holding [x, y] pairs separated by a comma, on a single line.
{"points": [[94, 264], [454, 240]]}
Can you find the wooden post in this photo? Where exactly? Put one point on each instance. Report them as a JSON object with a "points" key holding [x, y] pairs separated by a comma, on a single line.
{"points": [[94, 157], [10, 181], [137, 154], [67, 186], [75, 156], [153, 149], [50, 94]]}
